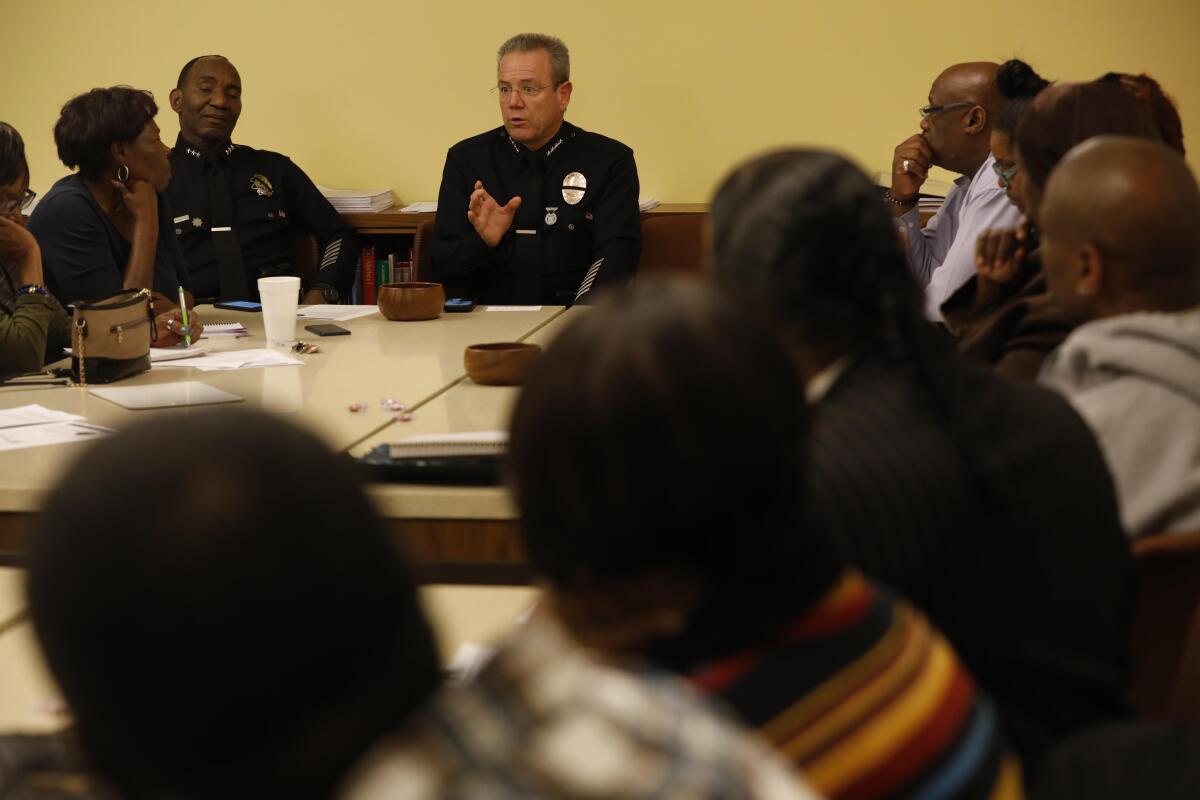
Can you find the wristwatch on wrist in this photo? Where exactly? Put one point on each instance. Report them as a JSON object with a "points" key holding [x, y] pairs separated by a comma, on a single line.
{"points": [[329, 292]]}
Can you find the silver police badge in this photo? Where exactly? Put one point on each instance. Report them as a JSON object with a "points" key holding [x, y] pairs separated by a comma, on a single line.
{"points": [[574, 187], [551, 217]]}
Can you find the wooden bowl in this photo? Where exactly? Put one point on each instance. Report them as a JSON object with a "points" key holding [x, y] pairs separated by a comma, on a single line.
{"points": [[500, 363], [411, 301]]}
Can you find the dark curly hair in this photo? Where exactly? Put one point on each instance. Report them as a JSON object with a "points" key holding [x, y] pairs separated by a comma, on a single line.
{"points": [[12, 155], [1069, 113], [90, 123], [1019, 84], [1148, 90]]}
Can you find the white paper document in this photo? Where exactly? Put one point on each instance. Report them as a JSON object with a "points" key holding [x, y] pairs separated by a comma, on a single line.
{"points": [[335, 313], [164, 395], [158, 354], [49, 433], [512, 308], [234, 359], [424, 207], [33, 415], [647, 203]]}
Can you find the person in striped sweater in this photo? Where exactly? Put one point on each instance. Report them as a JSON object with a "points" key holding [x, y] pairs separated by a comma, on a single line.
{"points": [[657, 462]]}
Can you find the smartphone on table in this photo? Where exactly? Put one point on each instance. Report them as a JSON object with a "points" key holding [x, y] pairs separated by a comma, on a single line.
{"points": [[239, 305], [327, 330]]}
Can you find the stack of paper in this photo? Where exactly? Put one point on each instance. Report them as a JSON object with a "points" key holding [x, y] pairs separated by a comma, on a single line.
{"points": [[216, 329], [34, 425], [647, 203], [233, 359], [424, 207], [336, 313], [358, 200]]}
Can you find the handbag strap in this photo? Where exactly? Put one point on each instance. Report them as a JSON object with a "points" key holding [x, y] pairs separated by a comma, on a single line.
{"points": [[80, 330]]}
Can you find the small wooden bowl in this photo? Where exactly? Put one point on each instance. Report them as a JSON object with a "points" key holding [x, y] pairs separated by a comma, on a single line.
{"points": [[411, 301], [500, 363]]}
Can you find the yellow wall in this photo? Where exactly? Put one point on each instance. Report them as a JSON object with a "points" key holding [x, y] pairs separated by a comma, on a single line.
{"points": [[365, 93]]}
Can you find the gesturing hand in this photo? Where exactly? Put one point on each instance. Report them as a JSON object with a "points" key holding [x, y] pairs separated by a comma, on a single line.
{"points": [[910, 166], [490, 219]]}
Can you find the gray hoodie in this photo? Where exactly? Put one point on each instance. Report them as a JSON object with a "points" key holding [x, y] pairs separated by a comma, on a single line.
{"points": [[1135, 379]]}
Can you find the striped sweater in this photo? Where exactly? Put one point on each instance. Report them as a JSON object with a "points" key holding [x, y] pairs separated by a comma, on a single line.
{"points": [[869, 701]]}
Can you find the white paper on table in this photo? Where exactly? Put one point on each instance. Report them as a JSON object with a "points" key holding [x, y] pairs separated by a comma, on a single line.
{"points": [[512, 308], [50, 433], [647, 203], [335, 313], [235, 359], [34, 415], [158, 354], [424, 207]]}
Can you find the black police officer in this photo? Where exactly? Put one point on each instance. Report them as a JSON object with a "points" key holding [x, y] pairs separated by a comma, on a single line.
{"points": [[235, 207], [551, 210]]}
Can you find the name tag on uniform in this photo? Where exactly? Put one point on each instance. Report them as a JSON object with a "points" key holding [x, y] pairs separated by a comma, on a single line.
{"points": [[225, 229], [182, 218], [526, 232]]}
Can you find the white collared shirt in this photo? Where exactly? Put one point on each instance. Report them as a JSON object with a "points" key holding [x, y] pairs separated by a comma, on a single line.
{"points": [[942, 254]]}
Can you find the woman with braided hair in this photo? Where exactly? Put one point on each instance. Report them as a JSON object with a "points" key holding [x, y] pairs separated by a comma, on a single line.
{"points": [[984, 501]]}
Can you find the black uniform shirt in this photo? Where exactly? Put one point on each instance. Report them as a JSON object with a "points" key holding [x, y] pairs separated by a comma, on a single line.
{"points": [[270, 196], [84, 256], [579, 204]]}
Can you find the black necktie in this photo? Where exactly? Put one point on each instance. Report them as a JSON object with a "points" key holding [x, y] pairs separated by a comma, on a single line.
{"points": [[527, 277], [230, 270]]}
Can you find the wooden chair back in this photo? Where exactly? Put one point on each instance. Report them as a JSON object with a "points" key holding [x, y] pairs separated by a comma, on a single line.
{"points": [[674, 243], [1165, 603], [423, 248]]}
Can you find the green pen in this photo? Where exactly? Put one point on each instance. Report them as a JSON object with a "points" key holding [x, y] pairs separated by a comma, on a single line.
{"points": [[187, 333]]}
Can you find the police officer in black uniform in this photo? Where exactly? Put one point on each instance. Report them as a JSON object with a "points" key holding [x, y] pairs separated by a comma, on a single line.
{"points": [[235, 207], [538, 211]]}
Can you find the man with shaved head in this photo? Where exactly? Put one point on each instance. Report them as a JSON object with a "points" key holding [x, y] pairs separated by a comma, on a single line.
{"points": [[955, 130], [239, 209], [1121, 248]]}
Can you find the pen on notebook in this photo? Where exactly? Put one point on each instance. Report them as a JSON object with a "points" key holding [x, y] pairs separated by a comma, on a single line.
{"points": [[187, 333]]}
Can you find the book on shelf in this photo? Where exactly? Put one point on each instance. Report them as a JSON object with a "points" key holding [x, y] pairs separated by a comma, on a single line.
{"points": [[367, 261]]}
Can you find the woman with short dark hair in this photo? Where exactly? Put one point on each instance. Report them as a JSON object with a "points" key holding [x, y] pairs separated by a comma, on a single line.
{"points": [[106, 227], [33, 326]]}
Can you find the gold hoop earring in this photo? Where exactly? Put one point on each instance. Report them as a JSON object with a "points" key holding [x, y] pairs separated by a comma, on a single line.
{"points": [[122, 167]]}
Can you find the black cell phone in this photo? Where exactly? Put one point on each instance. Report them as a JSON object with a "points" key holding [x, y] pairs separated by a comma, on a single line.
{"points": [[459, 304], [239, 305], [327, 330]]}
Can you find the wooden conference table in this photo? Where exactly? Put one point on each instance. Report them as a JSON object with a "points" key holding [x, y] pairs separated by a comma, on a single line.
{"points": [[454, 534]]}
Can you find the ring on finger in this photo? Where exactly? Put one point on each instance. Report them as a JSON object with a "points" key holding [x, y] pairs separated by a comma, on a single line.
{"points": [[904, 165]]}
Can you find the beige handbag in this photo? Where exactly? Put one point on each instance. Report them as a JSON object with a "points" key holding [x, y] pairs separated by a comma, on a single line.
{"points": [[110, 337]]}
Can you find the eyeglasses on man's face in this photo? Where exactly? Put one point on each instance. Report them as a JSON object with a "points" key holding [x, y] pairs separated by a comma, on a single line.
{"points": [[1005, 174], [529, 91], [18, 204], [933, 110]]}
